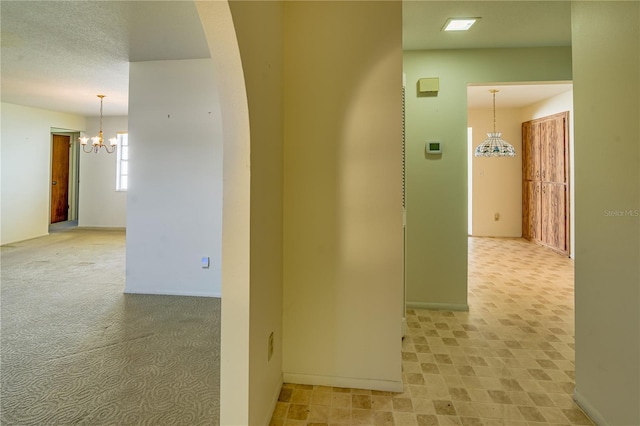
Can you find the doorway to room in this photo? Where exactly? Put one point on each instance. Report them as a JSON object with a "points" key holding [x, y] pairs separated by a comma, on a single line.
{"points": [[63, 179], [497, 203], [61, 146]]}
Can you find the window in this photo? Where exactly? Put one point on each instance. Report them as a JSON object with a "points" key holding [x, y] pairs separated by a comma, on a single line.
{"points": [[122, 173]]}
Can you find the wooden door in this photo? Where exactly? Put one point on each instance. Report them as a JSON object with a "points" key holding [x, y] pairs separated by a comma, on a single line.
{"points": [[554, 155], [545, 174], [534, 152], [547, 224], [554, 232], [531, 223], [527, 153], [526, 209], [531, 150], [535, 218], [60, 178]]}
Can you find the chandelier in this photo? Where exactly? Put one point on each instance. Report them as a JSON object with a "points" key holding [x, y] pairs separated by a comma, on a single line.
{"points": [[97, 141], [494, 145]]}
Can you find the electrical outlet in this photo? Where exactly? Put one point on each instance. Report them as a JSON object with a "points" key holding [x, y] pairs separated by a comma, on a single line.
{"points": [[270, 347], [496, 217], [205, 262]]}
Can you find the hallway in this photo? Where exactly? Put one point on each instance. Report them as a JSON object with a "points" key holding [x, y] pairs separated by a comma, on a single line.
{"points": [[75, 350], [508, 361]]}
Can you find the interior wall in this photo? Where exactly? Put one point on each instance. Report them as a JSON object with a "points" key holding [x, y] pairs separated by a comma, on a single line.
{"points": [[556, 104], [342, 194], [26, 169], [497, 181], [100, 205], [606, 84], [259, 29], [174, 204], [219, 30], [436, 259]]}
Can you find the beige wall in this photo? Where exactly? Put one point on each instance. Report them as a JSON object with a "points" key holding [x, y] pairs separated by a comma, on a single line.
{"points": [[342, 201], [246, 42], [497, 181], [316, 304], [219, 30], [259, 30], [436, 260], [559, 103], [606, 83], [26, 169]]}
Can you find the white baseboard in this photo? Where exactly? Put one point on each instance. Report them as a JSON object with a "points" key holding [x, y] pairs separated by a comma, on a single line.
{"points": [[589, 409], [274, 401], [344, 382], [102, 228], [438, 306], [175, 293]]}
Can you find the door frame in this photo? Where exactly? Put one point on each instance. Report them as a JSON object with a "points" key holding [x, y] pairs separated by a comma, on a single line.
{"points": [[74, 168]]}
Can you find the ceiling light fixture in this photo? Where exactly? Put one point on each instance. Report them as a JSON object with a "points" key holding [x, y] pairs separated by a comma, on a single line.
{"points": [[495, 146], [459, 24], [96, 141]]}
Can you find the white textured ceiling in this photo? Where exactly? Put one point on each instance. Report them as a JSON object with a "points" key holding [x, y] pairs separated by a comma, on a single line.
{"points": [[59, 55]]}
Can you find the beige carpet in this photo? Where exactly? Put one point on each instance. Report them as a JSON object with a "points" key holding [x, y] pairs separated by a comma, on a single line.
{"points": [[76, 350]]}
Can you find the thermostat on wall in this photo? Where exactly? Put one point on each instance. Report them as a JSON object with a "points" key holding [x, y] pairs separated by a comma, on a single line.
{"points": [[434, 147]]}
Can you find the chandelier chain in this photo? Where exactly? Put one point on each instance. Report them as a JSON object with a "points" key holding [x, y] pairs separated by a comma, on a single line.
{"points": [[102, 98], [494, 112]]}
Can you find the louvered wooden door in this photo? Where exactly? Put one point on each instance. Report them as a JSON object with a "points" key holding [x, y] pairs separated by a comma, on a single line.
{"points": [[545, 181], [554, 206], [531, 208], [553, 155]]}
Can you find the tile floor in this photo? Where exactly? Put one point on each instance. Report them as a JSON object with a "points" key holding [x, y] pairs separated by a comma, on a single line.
{"points": [[508, 361]]}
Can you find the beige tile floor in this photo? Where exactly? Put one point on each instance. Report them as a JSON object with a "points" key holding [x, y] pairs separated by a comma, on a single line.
{"points": [[508, 361]]}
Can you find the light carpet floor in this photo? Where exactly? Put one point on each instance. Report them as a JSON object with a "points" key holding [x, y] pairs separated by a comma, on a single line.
{"points": [[76, 350]]}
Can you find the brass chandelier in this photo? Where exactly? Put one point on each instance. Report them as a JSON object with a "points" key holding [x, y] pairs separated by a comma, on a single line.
{"points": [[97, 141]]}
